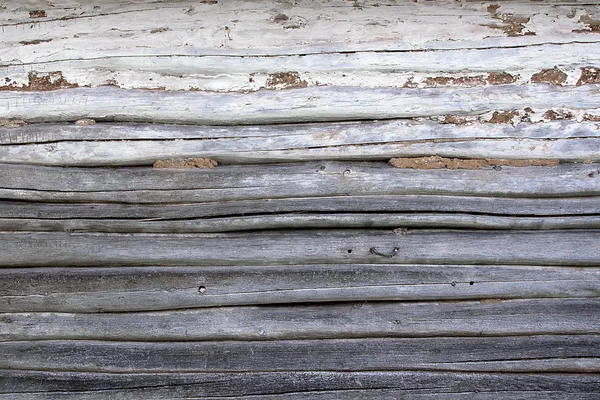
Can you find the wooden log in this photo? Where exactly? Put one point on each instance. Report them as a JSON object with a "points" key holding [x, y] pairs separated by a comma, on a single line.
{"points": [[410, 385], [390, 204], [164, 288], [152, 185], [286, 136], [136, 144], [323, 321], [44, 249], [500, 354], [270, 27], [302, 221], [189, 70], [311, 104]]}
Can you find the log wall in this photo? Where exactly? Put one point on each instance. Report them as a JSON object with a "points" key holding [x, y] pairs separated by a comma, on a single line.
{"points": [[197, 199]]}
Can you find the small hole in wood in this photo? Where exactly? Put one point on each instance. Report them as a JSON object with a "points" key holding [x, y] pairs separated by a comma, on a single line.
{"points": [[349, 251], [202, 289], [471, 283]]}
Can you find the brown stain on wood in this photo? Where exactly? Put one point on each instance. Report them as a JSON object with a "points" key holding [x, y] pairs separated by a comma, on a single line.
{"points": [[593, 25], [512, 25], [437, 162], [37, 14], [85, 122], [33, 42], [503, 117], [184, 163], [11, 123], [552, 76], [455, 120], [285, 80], [558, 115], [42, 82], [589, 75], [492, 78]]}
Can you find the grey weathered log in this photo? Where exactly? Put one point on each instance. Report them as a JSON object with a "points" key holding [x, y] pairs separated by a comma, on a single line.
{"points": [[326, 385], [164, 288], [481, 354], [322, 321], [44, 249], [136, 144], [312, 104], [346, 204], [312, 179], [283, 136], [299, 221]]}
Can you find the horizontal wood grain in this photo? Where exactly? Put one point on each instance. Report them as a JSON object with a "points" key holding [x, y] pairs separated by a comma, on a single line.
{"points": [[45, 249], [164, 288], [108, 144], [293, 385], [477, 354], [320, 321], [301, 221], [311, 104], [312, 179], [502, 206]]}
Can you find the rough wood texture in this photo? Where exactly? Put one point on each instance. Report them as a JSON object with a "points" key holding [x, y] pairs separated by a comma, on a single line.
{"points": [[303, 221], [568, 247], [136, 144], [120, 281], [328, 385], [501, 206], [151, 185], [311, 104], [481, 354], [163, 288], [270, 44], [321, 321]]}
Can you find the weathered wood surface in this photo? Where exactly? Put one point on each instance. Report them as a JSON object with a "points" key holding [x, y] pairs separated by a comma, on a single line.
{"points": [[164, 288], [390, 204], [329, 385], [137, 144], [152, 185], [521, 317], [312, 104], [301, 221], [478, 354], [285, 136], [566, 247], [243, 46], [131, 282]]}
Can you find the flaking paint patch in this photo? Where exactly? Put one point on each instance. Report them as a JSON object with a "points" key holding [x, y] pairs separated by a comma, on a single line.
{"points": [[492, 78], [512, 25], [42, 82], [592, 25], [589, 75], [503, 117], [285, 80], [552, 76]]}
